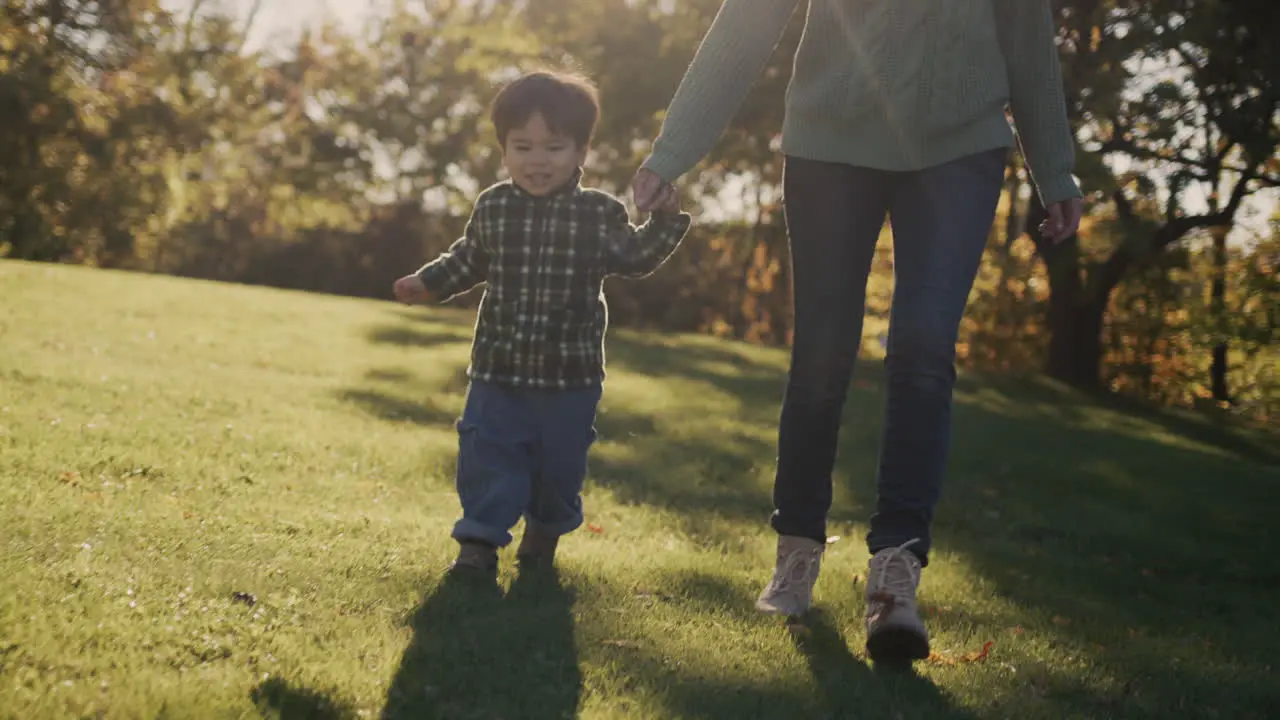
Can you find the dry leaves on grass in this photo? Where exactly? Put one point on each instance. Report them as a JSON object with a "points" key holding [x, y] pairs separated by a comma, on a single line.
{"points": [[630, 644], [973, 657], [595, 528]]}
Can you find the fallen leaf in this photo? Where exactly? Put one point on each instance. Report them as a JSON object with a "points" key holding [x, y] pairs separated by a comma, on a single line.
{"points": [[1017, 630], [1060, 620], [980, 655], [595, 528], [938, 658], [187, 514]]}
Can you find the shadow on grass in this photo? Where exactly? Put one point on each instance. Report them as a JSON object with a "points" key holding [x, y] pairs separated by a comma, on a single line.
{"points": [[476, 653], [1120, 543], [838, 672], [843, 685], [1155, 560], [1211, 429], [278, 700], [391, 407], [413, 337], [398, 396]]}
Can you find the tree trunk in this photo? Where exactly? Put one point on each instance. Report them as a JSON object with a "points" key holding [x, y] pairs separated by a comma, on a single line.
{"points": [[1218, 301], [1218, 372], [1075, 344], [1075, 315]]}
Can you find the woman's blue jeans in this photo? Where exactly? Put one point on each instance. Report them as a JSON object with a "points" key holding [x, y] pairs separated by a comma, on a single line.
{"points": [[941, 217]]}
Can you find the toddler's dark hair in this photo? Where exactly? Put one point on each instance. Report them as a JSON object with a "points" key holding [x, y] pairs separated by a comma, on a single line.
{"points": [[568, 103]]}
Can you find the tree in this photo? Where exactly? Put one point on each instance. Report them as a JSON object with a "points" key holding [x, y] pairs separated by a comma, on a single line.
{"points": [[77, 179], [1171, 98]]}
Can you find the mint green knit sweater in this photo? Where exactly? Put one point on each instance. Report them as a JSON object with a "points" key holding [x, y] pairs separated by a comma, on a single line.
{"points": [[886, 84]]}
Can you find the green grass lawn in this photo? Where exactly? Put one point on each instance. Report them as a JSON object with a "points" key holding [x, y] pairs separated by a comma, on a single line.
{"points": [[221, 501]]}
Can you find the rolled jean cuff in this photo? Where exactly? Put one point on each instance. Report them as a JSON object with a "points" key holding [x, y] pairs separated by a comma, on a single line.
{"points": [[557, 529], [884, 542], [468, 530]]}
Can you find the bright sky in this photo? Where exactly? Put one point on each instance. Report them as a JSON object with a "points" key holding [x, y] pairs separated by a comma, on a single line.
{"points": [[287, 17]]}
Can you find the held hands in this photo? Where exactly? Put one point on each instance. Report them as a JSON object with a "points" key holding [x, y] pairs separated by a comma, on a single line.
{"points": [[652, 193], [410, 290], [1063, 220]]}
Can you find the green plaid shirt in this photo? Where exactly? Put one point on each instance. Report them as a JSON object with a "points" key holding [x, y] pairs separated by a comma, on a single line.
{"points": [[543, 316]]}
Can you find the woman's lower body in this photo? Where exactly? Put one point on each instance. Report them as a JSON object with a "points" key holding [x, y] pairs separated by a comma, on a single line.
{"points": [[941, 218]]}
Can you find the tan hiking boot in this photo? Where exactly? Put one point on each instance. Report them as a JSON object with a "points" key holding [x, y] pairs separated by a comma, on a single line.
{"points": [[790, 592], [537, 546], [475, 556], [895, 633]]}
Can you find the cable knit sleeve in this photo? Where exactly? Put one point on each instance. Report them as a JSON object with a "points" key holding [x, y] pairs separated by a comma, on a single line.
{"points": [[1026, 29], [730, 59]]}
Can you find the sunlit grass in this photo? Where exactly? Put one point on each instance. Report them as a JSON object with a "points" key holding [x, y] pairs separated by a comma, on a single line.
{"points": [[220, 501]]}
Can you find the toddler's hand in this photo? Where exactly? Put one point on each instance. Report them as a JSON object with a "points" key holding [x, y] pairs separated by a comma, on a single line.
{"points": [[410, 290]]}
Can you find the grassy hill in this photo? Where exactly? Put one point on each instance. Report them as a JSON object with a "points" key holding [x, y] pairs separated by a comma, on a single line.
{"points": [[221, 501]]}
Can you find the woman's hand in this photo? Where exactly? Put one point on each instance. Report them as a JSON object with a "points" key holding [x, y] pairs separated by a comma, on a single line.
{"points": [[1063, 220], [651, 192]]}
